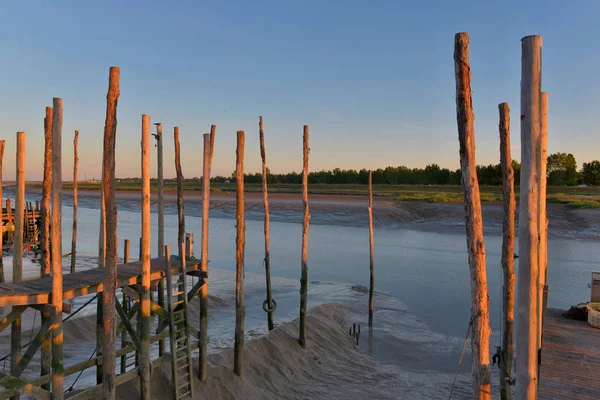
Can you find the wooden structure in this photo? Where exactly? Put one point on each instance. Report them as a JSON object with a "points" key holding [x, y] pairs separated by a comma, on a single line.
{"points": [[571, 359], [31, 229]]}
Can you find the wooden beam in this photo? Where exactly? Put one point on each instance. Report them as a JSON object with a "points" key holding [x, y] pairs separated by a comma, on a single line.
{"points": [[44, 331], [240, 309], [11, 317], [127, 324], [46, 189], [145, 305], [20, 386], [304, 255], [75, 203], [479, 323]]}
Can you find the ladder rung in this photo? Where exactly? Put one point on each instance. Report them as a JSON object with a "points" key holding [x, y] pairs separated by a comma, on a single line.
{"points": [[177, 293], [182, 358], [178, 303], [188, 393], [185, 376], [183, 385], [182, 366]]}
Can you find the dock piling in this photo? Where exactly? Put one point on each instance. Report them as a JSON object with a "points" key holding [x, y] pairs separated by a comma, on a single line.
{"points": [[304, 255], [145, 250], [204, 255], [75, 203], [240, 310]]}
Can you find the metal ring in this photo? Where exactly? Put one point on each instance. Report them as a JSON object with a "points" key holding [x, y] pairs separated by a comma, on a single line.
{"points": [[266, 304]]}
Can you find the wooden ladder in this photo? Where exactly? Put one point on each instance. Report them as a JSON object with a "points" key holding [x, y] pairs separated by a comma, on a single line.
{"points": [[181, 352]]}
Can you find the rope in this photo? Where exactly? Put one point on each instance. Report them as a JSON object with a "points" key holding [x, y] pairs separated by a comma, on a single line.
{"points": [[462, 353], [79, 375]]}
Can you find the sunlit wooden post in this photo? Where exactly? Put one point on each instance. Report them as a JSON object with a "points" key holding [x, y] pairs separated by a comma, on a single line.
{"points": [[479, 322], [371, 251], [45, 213], [2, 144], [263, 155], [527, 282], [204, 258], [240, 310], [543, 220], [508, 249], [126, 259], [56, 250], [75, 203], [110, 271], [145, 306], [101, 264], [161, 219], [304, 255], [180, 182]]}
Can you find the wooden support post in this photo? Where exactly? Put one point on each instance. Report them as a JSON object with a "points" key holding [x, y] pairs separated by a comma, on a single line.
{"points": [[110, 270], [2, 144], [161, 220], [204, 258], [371, 251], [56, 251], [189, 245], [508, 249], [240, 310], [180, 210], [101, 264], [527, 282], [304, 255], [263, 155], [75, 203], [145, 304], [126, 259], [479, 322], [17, 275], [542, 219], [46, 189]]}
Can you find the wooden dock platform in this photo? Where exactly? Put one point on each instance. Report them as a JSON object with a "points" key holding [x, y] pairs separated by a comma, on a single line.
{"points": [[570, 359], [38, 291]]}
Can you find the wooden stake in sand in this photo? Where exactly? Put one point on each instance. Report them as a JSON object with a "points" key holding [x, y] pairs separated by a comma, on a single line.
{"points": [[46, 188], [126, 259], [145, 306], [543, 220], [527, 282], [263, 155], [56, 250], [304, 256], [371, 251], [508, 249], [240, 310], [479, 322], [110, 272], [75, 203], [2, 144], [161, 220], [180, 210], [204, 257]]}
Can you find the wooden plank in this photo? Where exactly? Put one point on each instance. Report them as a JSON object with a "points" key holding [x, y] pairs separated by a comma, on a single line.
{"points": [[125, 320], [33, 348]]}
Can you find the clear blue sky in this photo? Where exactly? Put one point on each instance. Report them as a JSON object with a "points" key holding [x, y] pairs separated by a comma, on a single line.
{"points": [[373, 80]]}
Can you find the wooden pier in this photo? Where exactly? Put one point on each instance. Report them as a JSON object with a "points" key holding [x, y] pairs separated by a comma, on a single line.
{"points": [[570, 359]]}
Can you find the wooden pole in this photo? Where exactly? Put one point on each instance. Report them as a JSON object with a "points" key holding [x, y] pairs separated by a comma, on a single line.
{"points": [[110, 271], [126, 259], [371, 251], [145, 306], [240, 310], [263, 155], [543, 220], [101, 264], [75, 203], [204, 258], [304, 257], [527, 282], [180, 207], [189, 244], [475, 244], [508, 249], [161, 220], [213, 132], [2, 144], [56, 250], [17, 275], [46, 189]]}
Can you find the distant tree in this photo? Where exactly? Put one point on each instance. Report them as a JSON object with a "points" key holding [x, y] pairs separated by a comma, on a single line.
{"points": [[562, 169], [591, 173]]}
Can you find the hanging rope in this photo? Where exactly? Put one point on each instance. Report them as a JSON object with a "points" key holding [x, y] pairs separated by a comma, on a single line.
{"points": [[79, 375], [462, 353]]}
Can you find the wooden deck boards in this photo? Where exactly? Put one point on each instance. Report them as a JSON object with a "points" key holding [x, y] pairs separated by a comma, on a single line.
{"points": [[37, 291], [570, 359]]}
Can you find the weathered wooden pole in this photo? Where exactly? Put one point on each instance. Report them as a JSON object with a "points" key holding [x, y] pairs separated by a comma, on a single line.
{"points": [[204, 258], [126, 259], [17, 273], [304, 255], [75, 203], [2, 144], [110, 270], [213, 132], [240, 310], [145, 306], [527, 282], [56, 250], [543, 220], [45, 213], [479, 322], [508, 249], [101, 264], [189, 244], [371, 251], [180, 206], [161, 219], [263, 155]]}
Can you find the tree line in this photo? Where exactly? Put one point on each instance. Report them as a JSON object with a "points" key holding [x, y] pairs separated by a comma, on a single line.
{"points": [[561, 171]]}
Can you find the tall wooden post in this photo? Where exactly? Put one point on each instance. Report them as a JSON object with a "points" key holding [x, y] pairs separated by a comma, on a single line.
{"points": [[161, 219], [56, 250], [180, 207], [204, 257], [508, 248], [126, 259], [371, 251], [240, 309], [2, 144], [475, 244], [75, 203], [304, 255], [543, 220], [17, 275], [527, 282], [263, 155], [101, 264], [46, 189], [110, 270], [145, 306]]}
